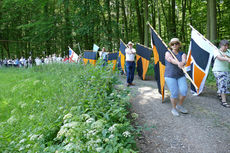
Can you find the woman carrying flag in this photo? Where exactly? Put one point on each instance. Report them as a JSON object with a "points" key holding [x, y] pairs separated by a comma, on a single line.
{"points": [[174, 76], [221, 71]]}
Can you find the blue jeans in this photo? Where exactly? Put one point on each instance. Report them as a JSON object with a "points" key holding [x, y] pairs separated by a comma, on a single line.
{"points": [[177, 85], [130, 68]]}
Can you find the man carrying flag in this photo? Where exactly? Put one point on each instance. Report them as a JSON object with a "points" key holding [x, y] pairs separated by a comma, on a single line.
{"points": [[130, 63]]}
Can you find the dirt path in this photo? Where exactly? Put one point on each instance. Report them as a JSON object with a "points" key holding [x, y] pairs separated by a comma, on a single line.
{"points": [[206, 129]]}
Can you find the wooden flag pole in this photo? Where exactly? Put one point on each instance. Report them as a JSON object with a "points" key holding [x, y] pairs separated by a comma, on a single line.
{"points": [[185, 72]]}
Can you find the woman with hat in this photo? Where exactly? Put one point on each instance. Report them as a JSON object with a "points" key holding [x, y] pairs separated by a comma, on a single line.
{"points": [[174, 76], [221, 71], [130, 63]]}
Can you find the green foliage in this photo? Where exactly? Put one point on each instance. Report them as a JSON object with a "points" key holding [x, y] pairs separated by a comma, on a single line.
{"points": [[65, 108]]}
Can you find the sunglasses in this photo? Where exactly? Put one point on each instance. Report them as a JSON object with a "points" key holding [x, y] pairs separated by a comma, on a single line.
{"points": [[174, 44]]}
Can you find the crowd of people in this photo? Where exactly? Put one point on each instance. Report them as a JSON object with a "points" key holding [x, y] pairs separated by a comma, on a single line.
{"points": [[23, 62]]}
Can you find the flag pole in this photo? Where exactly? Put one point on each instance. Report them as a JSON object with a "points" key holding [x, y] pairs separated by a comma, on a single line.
{"points": [[208, 41], [190, 79]]}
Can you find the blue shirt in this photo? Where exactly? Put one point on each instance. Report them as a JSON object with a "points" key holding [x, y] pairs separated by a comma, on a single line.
{"points": [[172, 70]]}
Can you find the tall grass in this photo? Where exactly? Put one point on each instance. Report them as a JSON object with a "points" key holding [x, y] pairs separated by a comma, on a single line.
{"points": [[63, 107]]}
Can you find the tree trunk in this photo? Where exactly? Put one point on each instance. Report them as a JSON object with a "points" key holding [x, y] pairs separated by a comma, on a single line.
{"points": [[213, 23], [173, 18], [117, 25], [109, 26], [153, 12], [159, 18], [183, 35], [139, 23], [145, 23], [125, 20], [208, 20]]}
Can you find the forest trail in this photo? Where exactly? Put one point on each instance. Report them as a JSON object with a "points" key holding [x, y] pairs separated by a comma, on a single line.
{"points": [[206, 129]]}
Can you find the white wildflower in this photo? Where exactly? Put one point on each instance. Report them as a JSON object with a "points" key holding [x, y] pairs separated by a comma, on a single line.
{"points": [[12, 142], [21, 148], [113, 128], [91, 133], [111, 136], [60, 108], [67, 116], [119, 96], [69, 146], [11, 120], [22, 141], [13, 111], [28, 146], [112, 94], [134, 115], [61, 132], [126, 134], [97, 125], [33, 137], [31, 117], [99, 149], [106, 140], [90, 120], [70, 125], [85, 116], [40, 137], [98, 141], [23, 105]]}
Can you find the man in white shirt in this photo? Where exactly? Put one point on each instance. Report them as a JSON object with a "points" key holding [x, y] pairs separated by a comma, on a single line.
{"points": [[130, 53]]}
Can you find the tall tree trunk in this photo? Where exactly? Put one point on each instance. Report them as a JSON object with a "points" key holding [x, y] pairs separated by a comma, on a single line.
{"points": [[125, 20], [167, 33], [174, 18], [117, 23], [208, 20], [153, 12], [146, 24], [183, 35], [213, 23], [109, 26], [139, 22], [190, 11], [159, 18]]}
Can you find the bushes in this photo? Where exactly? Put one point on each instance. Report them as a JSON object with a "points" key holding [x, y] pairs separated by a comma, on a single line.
{"points": [[67, 108]]}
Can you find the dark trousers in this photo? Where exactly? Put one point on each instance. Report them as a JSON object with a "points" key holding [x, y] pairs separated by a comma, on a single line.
{"points": [[130, 68]]}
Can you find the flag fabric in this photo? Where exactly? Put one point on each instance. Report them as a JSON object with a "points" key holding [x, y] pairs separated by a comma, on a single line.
{"points": [[73, 57], [121, 56], [159, 50], [143, 56], [90, 57], [198, 60], [112, 58], [95, 47]]}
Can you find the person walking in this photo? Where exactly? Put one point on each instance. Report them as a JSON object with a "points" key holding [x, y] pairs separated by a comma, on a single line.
{"points": [[221, 71], [130, 53], [174, 76]]}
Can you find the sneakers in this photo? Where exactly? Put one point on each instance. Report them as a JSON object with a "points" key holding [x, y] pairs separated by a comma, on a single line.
{"points": [[174, 112], [181, 109]]}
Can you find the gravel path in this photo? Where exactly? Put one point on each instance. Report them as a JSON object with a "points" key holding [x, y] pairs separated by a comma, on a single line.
{"points": [[206, 129]]}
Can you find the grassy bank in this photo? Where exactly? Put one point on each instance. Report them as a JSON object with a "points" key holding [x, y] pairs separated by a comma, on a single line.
{"points": [[65, 108]]}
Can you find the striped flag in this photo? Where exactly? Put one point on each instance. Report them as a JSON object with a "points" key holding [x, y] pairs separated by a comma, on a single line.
{"points": [[112, 58], [159, 50], [198, 60], [121, 56], [142, 57], [90, 57]]}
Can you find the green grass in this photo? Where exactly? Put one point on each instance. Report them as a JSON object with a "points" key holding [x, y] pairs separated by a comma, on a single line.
{"points": [[63, 107]]}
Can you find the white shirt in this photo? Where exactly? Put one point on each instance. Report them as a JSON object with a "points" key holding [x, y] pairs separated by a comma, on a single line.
{"points": [[130, 54]]}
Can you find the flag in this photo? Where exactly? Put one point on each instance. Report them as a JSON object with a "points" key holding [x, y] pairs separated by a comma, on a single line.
{"points": [[142, 57], [73, 57], [90, 57], [159, 50], [121, 56], [112, 58], [198, 60], [95, 47]]}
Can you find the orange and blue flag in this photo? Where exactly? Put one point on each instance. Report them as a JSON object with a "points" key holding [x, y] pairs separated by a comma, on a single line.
{"points": [[198, 60], [90, 57], [121, 56], [143, 56], [112, 58], [159, 50]]}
